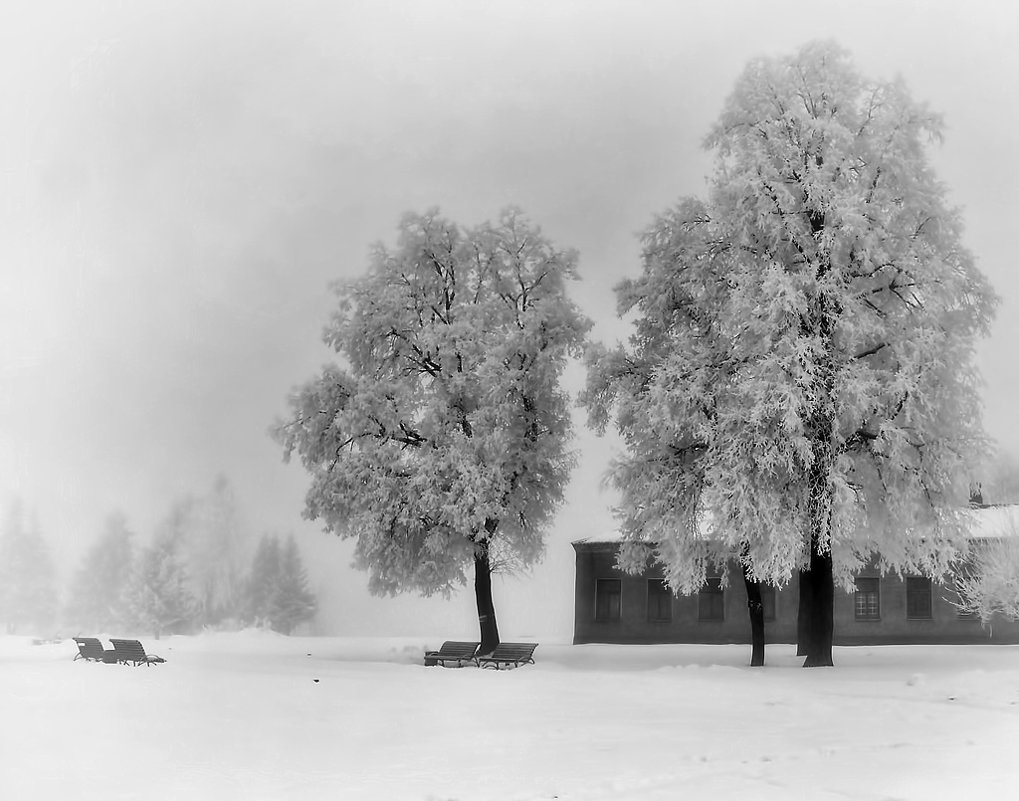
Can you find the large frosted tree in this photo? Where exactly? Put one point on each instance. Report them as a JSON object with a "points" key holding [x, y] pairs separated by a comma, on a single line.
{"points": [[799, 393], [441, 443]]}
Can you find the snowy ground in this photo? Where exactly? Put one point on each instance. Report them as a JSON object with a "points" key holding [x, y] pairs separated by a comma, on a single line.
{"points": [[257, 716]]}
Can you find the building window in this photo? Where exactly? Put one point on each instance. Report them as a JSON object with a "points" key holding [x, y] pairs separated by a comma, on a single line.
{"points": [[918, 598], [868, 599], [607, 593], [659, 601], [768, 601], [711, 600]]}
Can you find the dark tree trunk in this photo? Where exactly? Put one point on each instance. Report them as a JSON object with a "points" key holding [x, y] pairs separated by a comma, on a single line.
{"points": [[820, 627], [756, 609], [816, 626], [804, 611], [483, 594]]}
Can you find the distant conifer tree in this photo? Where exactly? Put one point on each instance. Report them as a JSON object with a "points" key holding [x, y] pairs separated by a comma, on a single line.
{"points": [[28, 597], [98, 597], [278, 593]]}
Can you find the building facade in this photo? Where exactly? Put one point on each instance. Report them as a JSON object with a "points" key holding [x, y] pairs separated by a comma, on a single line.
{"points": [[613, 607]]}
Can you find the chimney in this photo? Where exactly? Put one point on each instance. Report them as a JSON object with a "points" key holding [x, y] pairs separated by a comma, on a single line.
{"points": [[976, 495]]}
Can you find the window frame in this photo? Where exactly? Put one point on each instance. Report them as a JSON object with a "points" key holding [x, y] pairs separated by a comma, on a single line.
{"points": [[912, 595], [867, 616], [608, 617], [711, 600], [665, 593]]}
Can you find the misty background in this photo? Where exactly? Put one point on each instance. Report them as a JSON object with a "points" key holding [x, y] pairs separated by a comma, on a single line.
{"points": [[180, 182]]}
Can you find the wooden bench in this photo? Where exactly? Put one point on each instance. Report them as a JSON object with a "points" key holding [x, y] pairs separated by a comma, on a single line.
{"points": [[130, 652], [459, 653], [509, 655], [89, 649]]}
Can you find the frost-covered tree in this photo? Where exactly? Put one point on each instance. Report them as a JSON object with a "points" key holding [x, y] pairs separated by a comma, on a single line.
{"points": [[294, 603], [211, 547], [28, 594], [799, 393], [989, 586], [443, 439], [160, 597], [986, 581], [278, 592], [98, 594], [214, 552], [261, 586]]}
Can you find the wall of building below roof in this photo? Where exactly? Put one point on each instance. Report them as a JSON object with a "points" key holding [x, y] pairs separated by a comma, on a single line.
{"points": [[893, 626]]}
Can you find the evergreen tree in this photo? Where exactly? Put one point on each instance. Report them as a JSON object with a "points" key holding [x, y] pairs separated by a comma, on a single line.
{"points": [[160, 595], [98, 596], [294, 602], [262, 583], [213, 551], [278, 593], [800, 387], [27, 577]]}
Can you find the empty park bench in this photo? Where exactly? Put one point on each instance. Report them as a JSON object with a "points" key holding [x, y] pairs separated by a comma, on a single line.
{"points": [[509, 655], [458, 653], [89, 649], [130, 652]]}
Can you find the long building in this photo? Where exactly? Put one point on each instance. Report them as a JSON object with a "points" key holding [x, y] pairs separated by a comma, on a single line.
{"points": [[615, 607]]}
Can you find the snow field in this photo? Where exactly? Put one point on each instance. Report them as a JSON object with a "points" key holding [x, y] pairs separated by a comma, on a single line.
{"points": [[241, 716]]}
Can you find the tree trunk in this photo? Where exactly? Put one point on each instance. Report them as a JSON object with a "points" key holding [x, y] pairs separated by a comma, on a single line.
{"points": [[820, 626], [825, 310], [756, 610], [804, 611], [483, 594]]}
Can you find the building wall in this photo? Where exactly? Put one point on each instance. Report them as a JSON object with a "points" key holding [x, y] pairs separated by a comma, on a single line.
{"points": [[597, 561]]}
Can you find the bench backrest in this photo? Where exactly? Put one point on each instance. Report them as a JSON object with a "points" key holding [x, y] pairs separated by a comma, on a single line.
{"points": [[89, 647], [129, 649], [452, 649], [514, 651]]}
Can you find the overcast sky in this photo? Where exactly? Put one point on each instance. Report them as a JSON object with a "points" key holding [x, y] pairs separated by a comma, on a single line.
{"points": [[181, 181]]}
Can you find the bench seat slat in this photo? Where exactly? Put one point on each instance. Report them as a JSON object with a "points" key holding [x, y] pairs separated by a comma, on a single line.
{"points": [[509, 654], [453, 651]]}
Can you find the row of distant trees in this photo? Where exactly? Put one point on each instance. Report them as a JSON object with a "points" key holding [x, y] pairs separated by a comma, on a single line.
{"points": [[799, 382], [198, 571], [27, 575]]}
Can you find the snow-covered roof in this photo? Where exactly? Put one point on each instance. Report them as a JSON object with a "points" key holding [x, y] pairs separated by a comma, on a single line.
{"points": [[995, 521], [987, 522], [605, 536]]}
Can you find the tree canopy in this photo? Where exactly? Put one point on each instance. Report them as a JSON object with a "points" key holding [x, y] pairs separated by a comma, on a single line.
{"points": [[444, 436], [801, 376]]}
